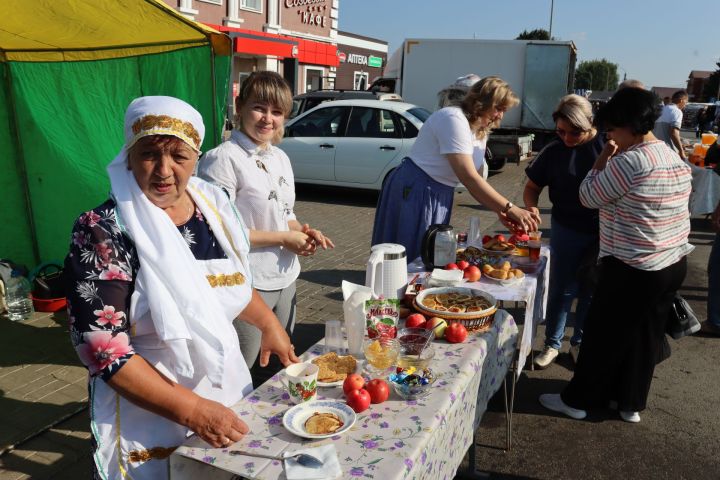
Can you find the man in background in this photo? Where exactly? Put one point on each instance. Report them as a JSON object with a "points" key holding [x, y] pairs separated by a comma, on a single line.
{"points": [[667, 126]]}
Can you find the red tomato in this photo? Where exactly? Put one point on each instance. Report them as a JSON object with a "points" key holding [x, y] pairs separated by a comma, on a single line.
{"points": [[472, 274], [486, 238], [451, 266], [462, 264], [415, 320], [456, 333], [358, 400], [378, 390], [353, 382], [500, 237]]}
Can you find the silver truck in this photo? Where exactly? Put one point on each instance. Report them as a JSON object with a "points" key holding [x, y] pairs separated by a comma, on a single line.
{"points": [[539, 72]]}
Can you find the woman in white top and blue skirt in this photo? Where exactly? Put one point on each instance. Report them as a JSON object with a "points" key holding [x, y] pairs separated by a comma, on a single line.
{"points": [[448, 152], [259, 179]]}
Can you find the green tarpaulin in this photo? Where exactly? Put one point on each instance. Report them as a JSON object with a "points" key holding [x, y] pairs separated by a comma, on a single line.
{"points": [[61, 122]]}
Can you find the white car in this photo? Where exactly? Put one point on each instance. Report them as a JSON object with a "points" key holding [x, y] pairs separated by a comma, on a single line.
{"points": [[351, 143]]}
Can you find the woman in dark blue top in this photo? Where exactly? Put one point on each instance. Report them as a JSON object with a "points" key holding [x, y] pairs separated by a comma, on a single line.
{"points": [[561, 166]]}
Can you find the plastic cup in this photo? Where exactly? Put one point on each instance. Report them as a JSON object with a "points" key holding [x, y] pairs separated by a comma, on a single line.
{"points": [[474, 233], [534, 244], [301, 382], [333, 337]]}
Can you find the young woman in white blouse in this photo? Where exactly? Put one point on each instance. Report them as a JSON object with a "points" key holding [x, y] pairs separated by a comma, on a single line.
{"points": [[259, 179]]}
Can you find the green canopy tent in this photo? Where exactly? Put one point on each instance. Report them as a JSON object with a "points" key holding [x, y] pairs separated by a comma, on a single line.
{"points": [[69, 69]]}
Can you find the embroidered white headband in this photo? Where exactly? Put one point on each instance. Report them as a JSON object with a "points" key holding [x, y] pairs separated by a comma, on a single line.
{"points": [[160, 115]]}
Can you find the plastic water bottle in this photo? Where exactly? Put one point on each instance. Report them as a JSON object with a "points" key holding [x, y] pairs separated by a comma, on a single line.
{"points": [[19, 304]]}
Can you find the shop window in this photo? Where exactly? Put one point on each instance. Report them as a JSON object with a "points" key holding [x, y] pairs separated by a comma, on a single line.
{"points": [[252, 5], [360, 80]]}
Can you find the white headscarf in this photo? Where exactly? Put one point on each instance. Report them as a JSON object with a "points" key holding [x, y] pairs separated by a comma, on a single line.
{"points": [[186, 314]]}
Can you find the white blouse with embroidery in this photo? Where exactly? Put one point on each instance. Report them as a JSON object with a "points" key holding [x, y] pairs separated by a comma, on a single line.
{"points": [[260, 182]]}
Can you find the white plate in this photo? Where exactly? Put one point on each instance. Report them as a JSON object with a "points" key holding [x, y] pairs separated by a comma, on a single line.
{"points": [[504, 283], [295, 418]]}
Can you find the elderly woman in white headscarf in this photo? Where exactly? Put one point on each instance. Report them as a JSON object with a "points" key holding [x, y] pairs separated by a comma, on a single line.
{"points": [[155, 277]]}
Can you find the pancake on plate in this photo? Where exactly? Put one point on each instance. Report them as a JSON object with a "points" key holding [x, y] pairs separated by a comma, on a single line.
{"points": [[323, 423]]}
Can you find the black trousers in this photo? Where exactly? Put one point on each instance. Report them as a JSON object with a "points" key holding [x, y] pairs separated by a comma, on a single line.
{"points": [[623, 335]]}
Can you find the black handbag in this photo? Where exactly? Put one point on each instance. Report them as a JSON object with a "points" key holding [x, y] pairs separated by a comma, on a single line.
{"points": [[682, 319], [48, 282]]}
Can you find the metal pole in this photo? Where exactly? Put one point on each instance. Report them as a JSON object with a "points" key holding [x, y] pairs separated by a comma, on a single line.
{"points": [[552, 2]]}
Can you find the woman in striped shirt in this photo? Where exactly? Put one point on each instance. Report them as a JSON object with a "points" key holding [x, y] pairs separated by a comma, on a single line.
{"points": [[642, 189]]}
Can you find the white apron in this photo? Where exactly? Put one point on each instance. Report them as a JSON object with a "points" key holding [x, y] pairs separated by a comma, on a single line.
{"points": [[134, 443]]}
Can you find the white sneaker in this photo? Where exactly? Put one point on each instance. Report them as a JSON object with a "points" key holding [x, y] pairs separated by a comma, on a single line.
{"points": [[547, 356], [631, 417], [574, 352], [552, 401]]}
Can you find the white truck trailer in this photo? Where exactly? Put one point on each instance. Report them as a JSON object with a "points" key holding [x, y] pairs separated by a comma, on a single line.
{"points": [[539, 72]]}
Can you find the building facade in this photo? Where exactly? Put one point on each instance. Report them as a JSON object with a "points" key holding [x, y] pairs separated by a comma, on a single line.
{"points": [[296, 38], [696, 84], [362, 59]]}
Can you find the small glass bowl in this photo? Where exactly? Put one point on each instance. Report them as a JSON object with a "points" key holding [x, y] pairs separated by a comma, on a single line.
{"points": [[413, 339], [380, 353], [410, 392], [407, 357]]}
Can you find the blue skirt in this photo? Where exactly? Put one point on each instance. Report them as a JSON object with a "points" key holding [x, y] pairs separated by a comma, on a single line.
{"points": [[410, 201]]}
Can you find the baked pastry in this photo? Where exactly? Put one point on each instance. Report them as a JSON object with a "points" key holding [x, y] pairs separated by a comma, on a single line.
{"points": [[334, 367], [323, 423]]}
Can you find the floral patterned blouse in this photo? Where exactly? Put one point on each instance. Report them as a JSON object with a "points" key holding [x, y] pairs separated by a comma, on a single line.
{"points": [[100, 273]]}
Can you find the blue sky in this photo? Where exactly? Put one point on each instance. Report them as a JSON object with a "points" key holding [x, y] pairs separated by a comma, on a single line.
{"points": [[656, 41]]}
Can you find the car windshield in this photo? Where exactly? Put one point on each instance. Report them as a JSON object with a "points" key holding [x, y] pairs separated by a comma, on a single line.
{"points": [[419, 113]]}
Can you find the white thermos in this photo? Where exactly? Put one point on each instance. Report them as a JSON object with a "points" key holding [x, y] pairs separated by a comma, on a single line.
{"points": [[387, 270]]}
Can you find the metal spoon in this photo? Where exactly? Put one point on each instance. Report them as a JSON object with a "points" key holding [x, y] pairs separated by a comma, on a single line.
{"points": [[303, 459]]}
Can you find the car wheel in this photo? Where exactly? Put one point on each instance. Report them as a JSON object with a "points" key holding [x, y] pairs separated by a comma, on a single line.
{"points": [[496, 164]]}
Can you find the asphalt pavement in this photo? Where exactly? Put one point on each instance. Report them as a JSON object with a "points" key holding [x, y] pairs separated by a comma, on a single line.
{"points": [[678, 437]]}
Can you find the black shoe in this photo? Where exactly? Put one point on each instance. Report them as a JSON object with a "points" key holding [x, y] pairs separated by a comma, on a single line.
{"points": [[709, 329]]}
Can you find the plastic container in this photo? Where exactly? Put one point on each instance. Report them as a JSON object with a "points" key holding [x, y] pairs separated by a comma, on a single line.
{"points": [[700, 150], [709, 138], [19, 304], [48, 304]]}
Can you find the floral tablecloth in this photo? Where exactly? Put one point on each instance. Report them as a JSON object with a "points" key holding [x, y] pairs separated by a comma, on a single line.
{"points": [[422, 439], [532, 291]]}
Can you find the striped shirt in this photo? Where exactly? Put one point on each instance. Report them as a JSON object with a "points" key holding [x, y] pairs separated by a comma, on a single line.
{"points": [[643, 196]]}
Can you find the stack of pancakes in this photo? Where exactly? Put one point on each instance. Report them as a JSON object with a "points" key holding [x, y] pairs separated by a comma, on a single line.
{"points": [[334, 367]]}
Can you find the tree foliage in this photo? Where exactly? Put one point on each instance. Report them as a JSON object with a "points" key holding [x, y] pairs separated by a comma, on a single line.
{"points": [[537, 34], [711, 86], [596, 75]]}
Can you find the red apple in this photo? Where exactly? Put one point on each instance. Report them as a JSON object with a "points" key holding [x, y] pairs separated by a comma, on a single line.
{"points": [[437, 325], [472, 274], [415, 320], [451, 266], [353, 382], [500, 237], [378, 390], [462, 264], [486, 238], [358, 400], [456, 333]]}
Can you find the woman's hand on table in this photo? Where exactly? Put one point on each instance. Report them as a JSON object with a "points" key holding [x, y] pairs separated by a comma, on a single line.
{"points": [[216, 424], [317, 237], [275, 340]]}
